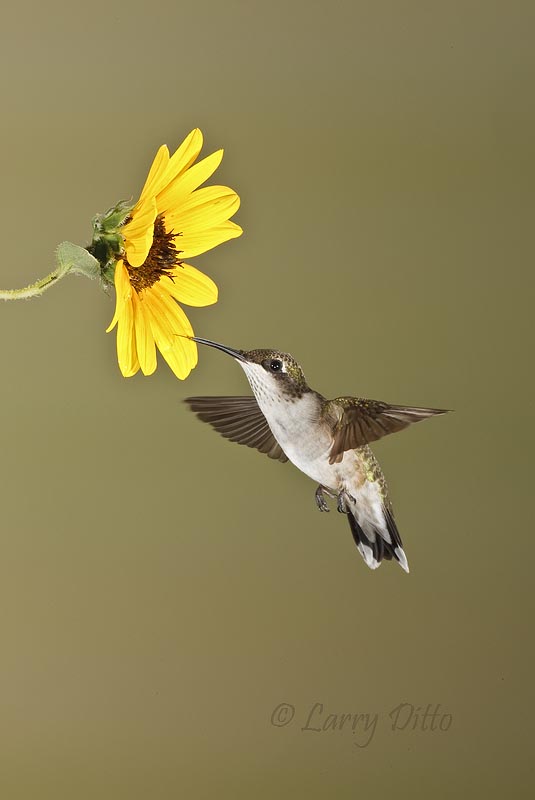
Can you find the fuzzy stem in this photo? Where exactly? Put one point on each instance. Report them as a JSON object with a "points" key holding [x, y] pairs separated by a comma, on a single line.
{"points": [[34, 289]]}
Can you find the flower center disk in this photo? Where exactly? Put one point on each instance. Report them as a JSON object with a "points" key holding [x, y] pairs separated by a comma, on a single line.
{"points": [[162, 259]]}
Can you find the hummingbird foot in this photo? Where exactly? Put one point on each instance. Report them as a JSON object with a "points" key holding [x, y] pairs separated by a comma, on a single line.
{"points": [[342, 504], [320, 498]]}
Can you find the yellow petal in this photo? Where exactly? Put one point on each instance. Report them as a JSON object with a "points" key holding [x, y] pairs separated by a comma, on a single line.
{"points": [[126, 342], [146, 350], [176, 361], [178, 355], [122, 293], [206, 195], [205, 208], [191, 353], [192, 244], [184, 184], [154, 181], [190, 286], [184, 156], [166, 328], [189, 348], [170, 326], [139, 232]]}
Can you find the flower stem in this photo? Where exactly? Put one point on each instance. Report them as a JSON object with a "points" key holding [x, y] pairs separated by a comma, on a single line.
{"points": [[34, 289], [69, 258]]}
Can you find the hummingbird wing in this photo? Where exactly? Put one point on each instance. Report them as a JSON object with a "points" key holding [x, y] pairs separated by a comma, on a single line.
{"points": [[240, 420], [357, 422]]}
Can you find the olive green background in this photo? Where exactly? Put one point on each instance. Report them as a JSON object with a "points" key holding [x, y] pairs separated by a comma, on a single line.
{"points": [[162, 591]]}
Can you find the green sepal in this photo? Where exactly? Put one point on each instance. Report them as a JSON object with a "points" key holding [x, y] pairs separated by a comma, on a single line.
{"points": [[113, 219], [108, 243]]}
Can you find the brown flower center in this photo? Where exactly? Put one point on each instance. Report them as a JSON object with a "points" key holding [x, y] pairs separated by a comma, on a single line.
{"points": [[162, 259]]}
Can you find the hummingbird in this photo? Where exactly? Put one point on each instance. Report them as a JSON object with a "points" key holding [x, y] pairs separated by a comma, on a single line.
{"points": [[328, 440]]}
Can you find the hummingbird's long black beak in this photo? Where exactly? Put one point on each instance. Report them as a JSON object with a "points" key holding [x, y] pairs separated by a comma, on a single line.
{"points": [[239, 354]]}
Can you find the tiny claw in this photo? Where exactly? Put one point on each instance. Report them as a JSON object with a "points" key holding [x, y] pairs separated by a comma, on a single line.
{"points": [[320, 500], [341, 505]]}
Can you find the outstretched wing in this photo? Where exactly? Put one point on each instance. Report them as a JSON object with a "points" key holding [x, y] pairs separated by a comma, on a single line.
{"points": [[240, 420], [357, 422]]}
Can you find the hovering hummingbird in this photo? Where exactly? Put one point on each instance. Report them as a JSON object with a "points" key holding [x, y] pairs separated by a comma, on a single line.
{"points": [[326, 439]]}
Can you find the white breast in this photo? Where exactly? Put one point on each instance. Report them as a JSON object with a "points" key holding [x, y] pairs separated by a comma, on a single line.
{"points": [[294, 423]]}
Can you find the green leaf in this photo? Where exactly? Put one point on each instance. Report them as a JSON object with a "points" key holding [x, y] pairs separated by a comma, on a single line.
{"points": [[73, 258]]}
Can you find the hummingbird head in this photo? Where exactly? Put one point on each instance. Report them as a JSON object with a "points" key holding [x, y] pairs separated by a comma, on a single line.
{"points": [[270, 372]]}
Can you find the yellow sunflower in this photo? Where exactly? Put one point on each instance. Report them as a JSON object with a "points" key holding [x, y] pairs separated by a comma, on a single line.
{"points": [[173, 220]]}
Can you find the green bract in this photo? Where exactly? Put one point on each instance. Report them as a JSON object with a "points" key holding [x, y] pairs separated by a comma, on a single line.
{"points": [[108, 243]]}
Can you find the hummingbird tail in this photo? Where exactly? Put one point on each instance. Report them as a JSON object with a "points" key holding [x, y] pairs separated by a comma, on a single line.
{"points": [[378, 542]]}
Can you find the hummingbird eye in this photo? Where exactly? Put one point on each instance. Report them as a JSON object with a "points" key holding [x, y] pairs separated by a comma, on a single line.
{"points": [[275, 365]]}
